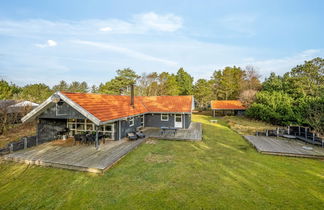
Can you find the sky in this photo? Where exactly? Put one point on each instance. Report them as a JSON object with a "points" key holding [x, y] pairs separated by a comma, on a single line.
{"points": [[47, 41]]}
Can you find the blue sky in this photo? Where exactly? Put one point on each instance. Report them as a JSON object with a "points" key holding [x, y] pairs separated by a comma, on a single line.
{"points": [[47, 41]]}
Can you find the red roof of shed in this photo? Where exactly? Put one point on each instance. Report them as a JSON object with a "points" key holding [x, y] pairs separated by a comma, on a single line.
{"points": [[227, 104]]}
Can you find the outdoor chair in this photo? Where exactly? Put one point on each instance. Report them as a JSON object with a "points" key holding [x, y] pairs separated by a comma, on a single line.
{"points": [[140, 134], [90, 138], [77, 138], [132, 136]]}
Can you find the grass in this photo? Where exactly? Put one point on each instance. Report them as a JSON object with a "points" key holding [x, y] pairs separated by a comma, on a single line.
{"points": [[221, 172], [16, 132], [247, 126]]}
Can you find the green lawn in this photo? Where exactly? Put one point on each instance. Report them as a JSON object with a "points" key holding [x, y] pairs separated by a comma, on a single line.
{"points": [[221, 172]]}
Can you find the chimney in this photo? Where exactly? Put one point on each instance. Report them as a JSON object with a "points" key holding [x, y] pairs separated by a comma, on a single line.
{"points": [[132, 95]]}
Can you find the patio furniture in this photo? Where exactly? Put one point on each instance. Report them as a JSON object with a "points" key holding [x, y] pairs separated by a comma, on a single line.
{"points": [[171, 129], [132, 136], [77, 138], [140, 134], [90, 138]]}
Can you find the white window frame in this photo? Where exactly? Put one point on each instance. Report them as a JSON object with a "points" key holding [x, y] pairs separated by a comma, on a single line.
{"points": [[164, 115], [87, 123], [131, 121]]}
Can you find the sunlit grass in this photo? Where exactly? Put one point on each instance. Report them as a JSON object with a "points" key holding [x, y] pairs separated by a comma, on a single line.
{"points": [[221, 172]]}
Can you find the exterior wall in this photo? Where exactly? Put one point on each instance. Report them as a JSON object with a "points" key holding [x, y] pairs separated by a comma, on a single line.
{"points": [[229, 112], [66, 112], [187, 121], [126, 128], [47, 129], [154, 120]]}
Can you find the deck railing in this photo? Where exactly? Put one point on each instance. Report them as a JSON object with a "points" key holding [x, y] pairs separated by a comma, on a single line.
{"points": [[295, 132]]}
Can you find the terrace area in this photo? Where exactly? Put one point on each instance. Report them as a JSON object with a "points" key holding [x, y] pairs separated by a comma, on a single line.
{"points": [[193, 133], [81, 157]]}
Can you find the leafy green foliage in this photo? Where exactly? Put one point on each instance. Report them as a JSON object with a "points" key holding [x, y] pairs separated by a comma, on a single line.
{"points": [[185, 82], [297, 97], [36, 93], [124, 78], [203, 93], [5, 90]]}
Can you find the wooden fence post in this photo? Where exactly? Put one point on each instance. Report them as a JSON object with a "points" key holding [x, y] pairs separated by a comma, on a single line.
{"points": [[298, 130], [288, 130], [25, 143], [11, 148], [277, 132]]}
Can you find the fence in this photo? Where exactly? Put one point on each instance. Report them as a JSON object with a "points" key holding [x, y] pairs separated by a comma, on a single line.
{"points": [[23, 143], [296, 132]]}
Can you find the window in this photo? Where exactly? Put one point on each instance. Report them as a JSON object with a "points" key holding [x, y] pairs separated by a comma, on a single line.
{"points": [[86, 126], [164, 117], [131, 121]]}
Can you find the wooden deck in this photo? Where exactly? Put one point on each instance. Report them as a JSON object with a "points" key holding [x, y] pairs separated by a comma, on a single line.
{"points": [[193, 133], [75, 157], [271, 145]]}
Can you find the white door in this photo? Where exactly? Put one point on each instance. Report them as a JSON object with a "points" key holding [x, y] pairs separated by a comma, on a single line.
{"points": [[178, 121]]}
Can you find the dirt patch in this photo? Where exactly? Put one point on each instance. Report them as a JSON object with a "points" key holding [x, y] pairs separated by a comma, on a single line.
{"points": [[64, 143], [151, 141], [157, 158]]}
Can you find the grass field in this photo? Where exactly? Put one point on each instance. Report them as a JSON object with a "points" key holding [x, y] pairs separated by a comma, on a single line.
{"points": [[244, 125], [221, 172]]}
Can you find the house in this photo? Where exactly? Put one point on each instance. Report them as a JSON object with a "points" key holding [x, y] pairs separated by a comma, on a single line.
{"points": [[111, 115], [227, 107], [15, 110]]}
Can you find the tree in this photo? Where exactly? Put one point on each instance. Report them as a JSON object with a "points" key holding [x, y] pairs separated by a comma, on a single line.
{"points": [[203, 93], [247, 97], [120, 84], [185, 82], [171, 86], [6, 91], [94, 89], [35, 93], [251, 79], [309, 77], [62, 86], [78, 87], [228, 83]]}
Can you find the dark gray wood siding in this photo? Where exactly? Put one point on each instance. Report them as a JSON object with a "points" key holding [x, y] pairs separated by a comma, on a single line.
{"points": [[65, 112], [47, 129], [126, 128], [154, 120]]}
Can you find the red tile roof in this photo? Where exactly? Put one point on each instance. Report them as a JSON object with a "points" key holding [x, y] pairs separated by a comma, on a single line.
{"points": [[167, 103], [110, 107], [227, 104]]}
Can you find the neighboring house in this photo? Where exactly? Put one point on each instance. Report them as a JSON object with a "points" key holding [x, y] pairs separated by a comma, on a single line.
{"points": [[112, 115], [22, 107], [15, 110], [227, 107]]}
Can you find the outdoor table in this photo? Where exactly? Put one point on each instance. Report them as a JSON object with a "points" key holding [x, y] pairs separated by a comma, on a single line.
{"points": [[164, 129]]}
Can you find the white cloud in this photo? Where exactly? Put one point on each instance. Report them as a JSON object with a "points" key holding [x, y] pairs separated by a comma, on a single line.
{"points": [[104, 29], [49, 43], [138, 24], [168, 22], [125, 51]]}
